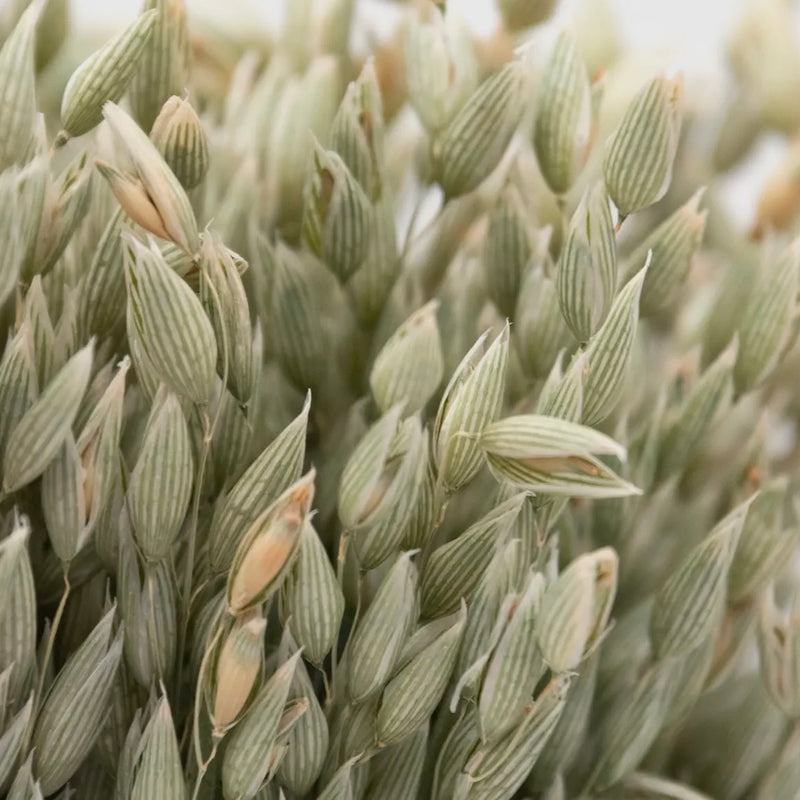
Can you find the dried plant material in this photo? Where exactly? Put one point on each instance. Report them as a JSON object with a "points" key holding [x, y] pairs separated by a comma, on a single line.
{"points": [[471, 401], [507, 248], [357, 132], [43, 428], [552, 456], [472, 144], [237, 671], [265, 479], [586, 274], [176, 336], [537, 533], [104, 77], [68, 723], [765, 322], [160, 483], [688, 603], [17, 88], [779, 202], [638, 157], [409, 368], [673, 245], [17, 613], [159, 772], [519, 14], [441, 66], [379, 640], [336, 218], [146, 188], [313, 600], [562, 132], [246, 761], [97, 445], [180, 138], [269, 547], [163, 66]]}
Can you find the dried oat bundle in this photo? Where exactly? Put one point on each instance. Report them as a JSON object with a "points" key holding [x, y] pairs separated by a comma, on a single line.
{"points": [[301, 500]]}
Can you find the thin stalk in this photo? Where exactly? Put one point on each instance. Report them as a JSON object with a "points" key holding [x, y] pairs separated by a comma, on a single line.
{"points": [[359, 591], [586, 792], [410, 230], [203, 768], [340, 557], [442, 499], [410, 240], [325, 682]]}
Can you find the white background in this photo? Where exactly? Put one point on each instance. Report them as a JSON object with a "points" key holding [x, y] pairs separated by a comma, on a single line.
{"points": [[693, 30], [686, 34]]}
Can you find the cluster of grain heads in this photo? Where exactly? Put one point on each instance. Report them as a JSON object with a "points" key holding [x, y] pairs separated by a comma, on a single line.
{"points": [[305, 496], [148, 191]]}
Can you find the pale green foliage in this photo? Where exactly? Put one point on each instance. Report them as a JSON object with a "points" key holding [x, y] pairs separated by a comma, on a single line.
{"points": [[298, 504]]}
